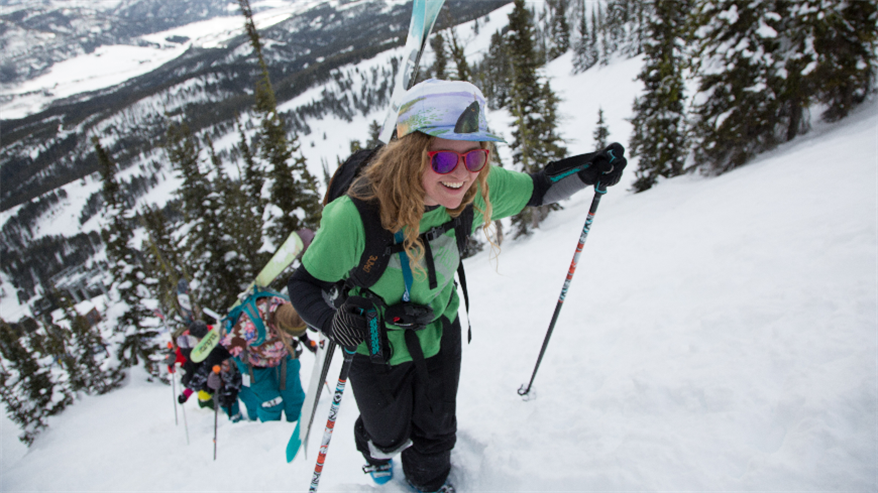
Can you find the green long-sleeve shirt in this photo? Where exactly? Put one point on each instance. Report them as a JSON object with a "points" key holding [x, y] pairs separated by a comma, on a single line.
{"points": [[340, 241]]}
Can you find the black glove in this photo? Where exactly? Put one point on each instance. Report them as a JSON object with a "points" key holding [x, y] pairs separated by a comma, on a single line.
{"points": [[170, 359], [227, 397], [606, 165], [182, 398], [349, 324], [308, 343]]}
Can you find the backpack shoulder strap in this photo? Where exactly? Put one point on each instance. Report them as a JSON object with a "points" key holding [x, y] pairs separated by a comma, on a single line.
{"points": [[377, 253], [462, 230]]}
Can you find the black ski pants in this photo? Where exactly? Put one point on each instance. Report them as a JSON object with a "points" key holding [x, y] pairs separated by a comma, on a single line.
{"points": [[396, 406]]}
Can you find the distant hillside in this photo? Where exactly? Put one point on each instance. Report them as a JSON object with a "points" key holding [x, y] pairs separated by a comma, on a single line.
{"points": [[46, 150]]}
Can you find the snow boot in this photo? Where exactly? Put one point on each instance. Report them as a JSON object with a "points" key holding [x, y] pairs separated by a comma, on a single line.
{"points": [[446, 488], [381, 473]]}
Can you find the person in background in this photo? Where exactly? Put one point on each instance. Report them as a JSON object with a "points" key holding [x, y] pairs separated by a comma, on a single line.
{"points": [[268, 359], [194, 375]]}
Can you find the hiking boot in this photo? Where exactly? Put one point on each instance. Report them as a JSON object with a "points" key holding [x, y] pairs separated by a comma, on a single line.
{"points": [[381, 473]]}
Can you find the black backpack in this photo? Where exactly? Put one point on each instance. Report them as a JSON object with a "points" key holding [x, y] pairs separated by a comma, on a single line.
{"points": [[380, 243]]}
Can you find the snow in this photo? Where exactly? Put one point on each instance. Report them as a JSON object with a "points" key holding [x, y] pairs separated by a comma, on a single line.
{"points": [[719, 335], [106, 66], [114, 64]]}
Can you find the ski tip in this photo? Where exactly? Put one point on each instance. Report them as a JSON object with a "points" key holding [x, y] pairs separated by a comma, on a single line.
{"points": [[294, 444]]}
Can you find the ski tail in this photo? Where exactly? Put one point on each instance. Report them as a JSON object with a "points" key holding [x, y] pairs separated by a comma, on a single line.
{"points": [[424, 15], [322, 362]]}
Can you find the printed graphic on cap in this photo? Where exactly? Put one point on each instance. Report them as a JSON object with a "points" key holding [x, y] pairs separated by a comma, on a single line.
{"points": [[468, 122]]}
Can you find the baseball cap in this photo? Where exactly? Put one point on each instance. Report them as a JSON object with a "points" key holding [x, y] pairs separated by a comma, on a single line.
{"points": [[453, 110]]}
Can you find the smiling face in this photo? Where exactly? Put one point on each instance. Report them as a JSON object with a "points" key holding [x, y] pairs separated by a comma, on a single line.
{"points": [[448, 190]]}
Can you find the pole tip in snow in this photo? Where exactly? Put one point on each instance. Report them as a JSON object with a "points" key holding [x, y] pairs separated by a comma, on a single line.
{"points": [[527, 393]]}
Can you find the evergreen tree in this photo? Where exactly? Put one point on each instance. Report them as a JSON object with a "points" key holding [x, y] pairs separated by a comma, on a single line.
{"points": [[525, 88], [839, 38], [208, 244], [138, 337], [374, 133], [441, 57], [254, 174], [737, 115], [164, 258], [459, 57], [560, 29], [494, 74], [86, 358], [242, 226], [27, 385], [605, 42], [639, 13], [294, 202], [594, 47], [601, 132], [584, 54], [533, 106], [659, 121], [616, 25]]}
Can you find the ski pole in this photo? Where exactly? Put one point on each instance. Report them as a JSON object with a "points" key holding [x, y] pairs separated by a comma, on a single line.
{"points": [[173, 388], [598, 193], [215, 382], [185, 423], [174, 397], [333, 414]]}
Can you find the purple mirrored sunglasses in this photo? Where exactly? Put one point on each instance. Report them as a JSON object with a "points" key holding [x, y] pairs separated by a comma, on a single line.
{"points": [[444, 162]]}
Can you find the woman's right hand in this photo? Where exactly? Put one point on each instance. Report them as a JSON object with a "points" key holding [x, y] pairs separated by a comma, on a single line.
{"points": [[349, 325]]}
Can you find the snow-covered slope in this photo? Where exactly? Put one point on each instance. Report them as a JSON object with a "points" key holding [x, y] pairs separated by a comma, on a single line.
{"points": [[719, 334]]}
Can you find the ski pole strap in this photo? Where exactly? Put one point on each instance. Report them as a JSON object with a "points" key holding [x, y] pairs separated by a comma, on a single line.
{"points": [[406, 268], [462, 276], [413, 344]]}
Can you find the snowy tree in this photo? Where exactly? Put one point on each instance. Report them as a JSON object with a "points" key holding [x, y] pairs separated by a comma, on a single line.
{"points": [[88, 362], [165, 259], [294, 201], [208, 243], [533, 105], [584, 53], [27, 385], [835, 44], [242, 237], [462, 69], [659, 137], [737, 105], [601, 132], [559, 29], [440, 61], [138, 336], [494, 74]]}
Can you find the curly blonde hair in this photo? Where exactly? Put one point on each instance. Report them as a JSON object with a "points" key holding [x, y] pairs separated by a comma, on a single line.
{"points": [[394, 180]]}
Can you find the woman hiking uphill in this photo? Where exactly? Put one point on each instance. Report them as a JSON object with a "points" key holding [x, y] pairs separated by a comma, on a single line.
{"points": [[437, 167]]}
